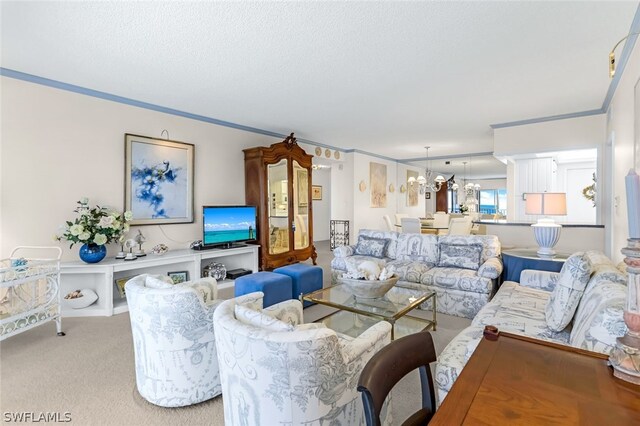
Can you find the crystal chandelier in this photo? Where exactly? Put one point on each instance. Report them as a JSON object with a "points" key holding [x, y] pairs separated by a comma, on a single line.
{"points": [[470, 191], [425, 181]]}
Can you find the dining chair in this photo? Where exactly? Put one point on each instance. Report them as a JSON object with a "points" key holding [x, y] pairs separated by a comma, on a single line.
{"points": [[460, 226], [440, 220], [387, 222], [387, 367], [400, 216], [411, 225]]}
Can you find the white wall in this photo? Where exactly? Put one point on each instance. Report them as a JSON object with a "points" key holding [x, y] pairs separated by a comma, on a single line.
{"points": [[620, 129], [367, 217], [558, 135], [401, 198], [58, 146], [571, 179], [322, 208], [342, 188]]}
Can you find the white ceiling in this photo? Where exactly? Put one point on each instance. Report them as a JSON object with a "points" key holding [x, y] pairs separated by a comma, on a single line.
{"points": [[383, 77]]}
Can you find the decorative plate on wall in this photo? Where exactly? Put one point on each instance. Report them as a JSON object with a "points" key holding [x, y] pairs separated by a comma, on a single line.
{"points": [[392, 188], [403, 189], [362, 186], [327, 153], [336, 155], [318, 151]]}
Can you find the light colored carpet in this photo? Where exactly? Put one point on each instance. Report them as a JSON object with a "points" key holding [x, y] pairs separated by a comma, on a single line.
{"points": [[89, 372]]}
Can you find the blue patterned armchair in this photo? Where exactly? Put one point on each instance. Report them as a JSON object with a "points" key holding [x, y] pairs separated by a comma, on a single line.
{"points": [[173, 341], [275, 370]]}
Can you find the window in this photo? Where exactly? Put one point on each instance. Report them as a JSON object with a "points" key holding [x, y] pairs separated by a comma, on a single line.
{"points": [[493, 201]]}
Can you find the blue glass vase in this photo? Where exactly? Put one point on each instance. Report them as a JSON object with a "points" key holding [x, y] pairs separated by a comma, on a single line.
{"points": [[92, 253]]}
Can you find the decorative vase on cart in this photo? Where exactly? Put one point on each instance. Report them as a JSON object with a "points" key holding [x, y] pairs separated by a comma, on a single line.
{"points": [[92, 253]]}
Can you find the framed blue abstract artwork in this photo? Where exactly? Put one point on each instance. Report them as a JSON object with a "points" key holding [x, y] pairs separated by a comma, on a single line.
{"points": [[158, 180]]}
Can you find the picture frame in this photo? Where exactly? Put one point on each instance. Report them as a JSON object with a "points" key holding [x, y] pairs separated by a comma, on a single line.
{"points": [[316, 192], [427, 195], [159, 180], [179, 276], [412, 189], [378, 182], [119, 283]]}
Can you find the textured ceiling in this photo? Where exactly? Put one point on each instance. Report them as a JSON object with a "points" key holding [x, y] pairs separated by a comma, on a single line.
{"points": [[384, 77]]}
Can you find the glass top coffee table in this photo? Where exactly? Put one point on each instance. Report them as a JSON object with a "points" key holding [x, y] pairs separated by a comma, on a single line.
{"points": [[356, 314]]}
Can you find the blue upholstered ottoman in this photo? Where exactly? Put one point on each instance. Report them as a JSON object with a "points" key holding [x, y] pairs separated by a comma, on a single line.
{"points": [[306, 278], [276, 287]]}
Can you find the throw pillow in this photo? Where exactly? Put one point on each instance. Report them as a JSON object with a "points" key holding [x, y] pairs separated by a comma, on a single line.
{"points": [[369, 246], [565, 297], [260, 319], [466, 256], [158, 281]]}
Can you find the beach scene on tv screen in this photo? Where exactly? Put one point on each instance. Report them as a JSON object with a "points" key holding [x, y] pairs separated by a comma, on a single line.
{"points": [[222, 225]]}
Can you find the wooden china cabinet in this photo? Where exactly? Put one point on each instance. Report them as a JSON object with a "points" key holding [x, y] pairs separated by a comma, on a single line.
{"points": [[278, 182]]}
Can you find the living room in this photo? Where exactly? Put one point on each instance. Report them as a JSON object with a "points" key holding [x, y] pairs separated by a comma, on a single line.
{"points": [[360, 83]]}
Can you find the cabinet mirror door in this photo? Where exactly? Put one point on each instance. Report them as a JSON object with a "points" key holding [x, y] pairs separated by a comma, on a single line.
{"points": [[278, 207], [300, 206]]}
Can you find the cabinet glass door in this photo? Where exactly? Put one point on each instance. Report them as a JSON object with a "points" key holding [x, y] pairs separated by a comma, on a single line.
{"points": [[300, 206], [278, 207]]}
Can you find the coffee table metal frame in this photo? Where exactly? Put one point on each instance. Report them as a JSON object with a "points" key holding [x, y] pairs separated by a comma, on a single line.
{"points": [[322, 297]]}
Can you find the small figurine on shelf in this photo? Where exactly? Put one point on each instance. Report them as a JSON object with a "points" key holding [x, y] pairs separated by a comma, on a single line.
{"points": [[140, 239], [130, 244], [121, 254]]}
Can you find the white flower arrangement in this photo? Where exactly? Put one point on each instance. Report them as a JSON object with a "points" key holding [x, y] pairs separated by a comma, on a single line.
{"points": [[97, 225]]}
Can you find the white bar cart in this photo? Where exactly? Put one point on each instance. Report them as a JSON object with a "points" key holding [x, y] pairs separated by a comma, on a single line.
{"points": [[29, 289]]}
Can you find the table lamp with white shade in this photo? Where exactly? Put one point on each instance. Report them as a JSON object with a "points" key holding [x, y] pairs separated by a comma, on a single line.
{"points": [[546, 231]]}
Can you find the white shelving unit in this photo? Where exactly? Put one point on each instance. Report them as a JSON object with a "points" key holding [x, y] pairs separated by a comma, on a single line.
{"points": [[101, 277]]}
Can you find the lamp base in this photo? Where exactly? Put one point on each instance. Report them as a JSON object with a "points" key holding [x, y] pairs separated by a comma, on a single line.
{"points": [[547, 234]]}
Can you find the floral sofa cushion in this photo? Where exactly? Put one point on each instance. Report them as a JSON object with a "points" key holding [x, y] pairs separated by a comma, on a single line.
{"points": [[566, 295], [409, 270], [604, 269], [418, 247], [392, 248], [456, 278], [465, 256], [520, 310], [598, 320], [490, 243], [370, 246]]}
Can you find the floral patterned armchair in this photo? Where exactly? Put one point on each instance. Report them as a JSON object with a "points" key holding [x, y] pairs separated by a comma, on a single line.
{"points": [[275, 370], [173, 341]]}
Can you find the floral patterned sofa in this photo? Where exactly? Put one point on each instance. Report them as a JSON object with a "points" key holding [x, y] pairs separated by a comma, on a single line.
{"points": [[590, 293], [462, 270]]}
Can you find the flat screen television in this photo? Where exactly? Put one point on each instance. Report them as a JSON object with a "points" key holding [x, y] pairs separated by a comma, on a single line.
{"points": [[226, 226]]}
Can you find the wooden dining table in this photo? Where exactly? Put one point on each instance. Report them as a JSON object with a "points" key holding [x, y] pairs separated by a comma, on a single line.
{"points": [[517, 380]]}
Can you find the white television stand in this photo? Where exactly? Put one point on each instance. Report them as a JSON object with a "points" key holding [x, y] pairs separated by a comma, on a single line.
{"points": [[101, 276]]}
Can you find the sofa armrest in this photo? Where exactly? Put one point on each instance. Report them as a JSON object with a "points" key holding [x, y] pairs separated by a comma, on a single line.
{"points": [[373, 339], [492, 268], [289, 311], [344, 251], [539, 280]]}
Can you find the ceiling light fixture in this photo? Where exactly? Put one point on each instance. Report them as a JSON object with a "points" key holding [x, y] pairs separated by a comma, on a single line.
{"points": [[612, 55], [425, 181]]}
